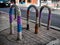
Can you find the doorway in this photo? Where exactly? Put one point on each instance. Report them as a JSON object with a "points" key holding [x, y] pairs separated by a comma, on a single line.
{"points": [[22, 1]]}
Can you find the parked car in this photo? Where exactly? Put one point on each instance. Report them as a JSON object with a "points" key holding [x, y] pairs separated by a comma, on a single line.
{"points": [[4, 3]]}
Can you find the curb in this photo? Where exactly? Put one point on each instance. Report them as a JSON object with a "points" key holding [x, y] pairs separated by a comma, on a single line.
{"points": [[43, 24]]}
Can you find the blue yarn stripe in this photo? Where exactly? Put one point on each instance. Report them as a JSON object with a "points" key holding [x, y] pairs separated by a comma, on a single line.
{"points": [[10, 12], [19, 27]]}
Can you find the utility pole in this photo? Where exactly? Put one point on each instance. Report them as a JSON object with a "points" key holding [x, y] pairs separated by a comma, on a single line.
{"points": [[40, 3]]}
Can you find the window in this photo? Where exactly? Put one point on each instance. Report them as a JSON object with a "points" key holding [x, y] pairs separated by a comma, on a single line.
{"points": [[22, 1], [29, 0], [45, 0], [19, 0], [55, 0]]}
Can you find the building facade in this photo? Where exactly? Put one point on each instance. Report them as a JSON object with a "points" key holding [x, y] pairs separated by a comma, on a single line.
{"points": [[51, 3], [26, 3]]}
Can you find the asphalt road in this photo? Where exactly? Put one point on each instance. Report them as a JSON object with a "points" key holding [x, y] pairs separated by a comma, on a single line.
{"points": [[55, 18]]}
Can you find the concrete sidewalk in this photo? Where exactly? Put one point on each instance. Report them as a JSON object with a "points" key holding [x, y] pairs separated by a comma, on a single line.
{"points": [[4, 21], [29, 38]]}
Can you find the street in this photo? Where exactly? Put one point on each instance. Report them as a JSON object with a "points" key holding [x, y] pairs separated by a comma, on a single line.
{"points": [[55, 18]]}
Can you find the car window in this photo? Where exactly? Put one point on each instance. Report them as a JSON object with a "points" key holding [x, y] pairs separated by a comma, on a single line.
{"points": [[4, 0]]}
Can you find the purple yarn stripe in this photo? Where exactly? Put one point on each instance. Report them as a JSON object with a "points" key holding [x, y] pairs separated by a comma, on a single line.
{"points": [[10, 18], [19, 20]]}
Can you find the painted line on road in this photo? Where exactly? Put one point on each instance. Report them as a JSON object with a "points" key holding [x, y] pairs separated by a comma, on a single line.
{"points": [[53, 27]]}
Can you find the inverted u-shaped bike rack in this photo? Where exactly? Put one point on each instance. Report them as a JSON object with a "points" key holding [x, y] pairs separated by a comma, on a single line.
{"points": [[28, 12], [19, 21], [49, 15]]}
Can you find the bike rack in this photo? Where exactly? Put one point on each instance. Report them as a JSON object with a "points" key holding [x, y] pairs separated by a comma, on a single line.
{"points": [[49, 15], [36, 24], [19, 21]]}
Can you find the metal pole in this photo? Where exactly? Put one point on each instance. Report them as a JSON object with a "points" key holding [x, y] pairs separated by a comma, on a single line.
{"points": [[28, 19], [40, 3], [49, 20], [11, 21], [36, 24], [15, 13], [19, 23], [49, 15]]}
